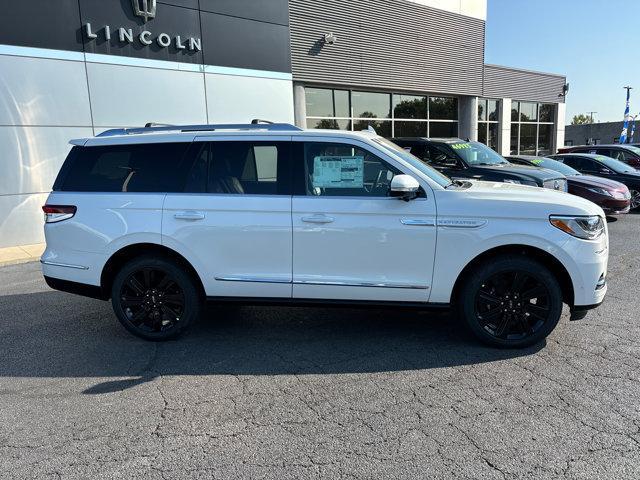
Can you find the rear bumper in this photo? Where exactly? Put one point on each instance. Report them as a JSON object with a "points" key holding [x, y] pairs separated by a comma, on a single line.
{"points": [[82, 289]]}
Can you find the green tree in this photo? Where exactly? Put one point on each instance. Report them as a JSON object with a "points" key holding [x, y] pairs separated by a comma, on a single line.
{"points": [[581, 119]]}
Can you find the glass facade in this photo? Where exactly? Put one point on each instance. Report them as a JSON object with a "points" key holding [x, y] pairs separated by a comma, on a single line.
{"points": [[532, 127], [488, 125], [390, 114]]}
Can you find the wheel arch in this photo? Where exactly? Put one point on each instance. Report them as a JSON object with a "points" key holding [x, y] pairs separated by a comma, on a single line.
{"points": [[125, 254], [555, 266]]}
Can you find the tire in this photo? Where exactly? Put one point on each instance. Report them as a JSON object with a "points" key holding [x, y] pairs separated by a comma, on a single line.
{"points": [[511, 302], [155, 298]]}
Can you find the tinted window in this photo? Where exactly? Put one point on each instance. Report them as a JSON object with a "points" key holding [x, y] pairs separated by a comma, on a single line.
{"points": [[443, 108], [252, 168], [158, 167], [581, 164], [337, 169]]}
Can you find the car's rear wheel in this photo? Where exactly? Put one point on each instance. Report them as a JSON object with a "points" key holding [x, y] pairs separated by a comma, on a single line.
{"points": [[155, 298], [511, 301], [635, 199]]}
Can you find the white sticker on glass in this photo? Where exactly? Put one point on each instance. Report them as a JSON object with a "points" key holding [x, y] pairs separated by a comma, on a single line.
{"points": [[338, 172]]}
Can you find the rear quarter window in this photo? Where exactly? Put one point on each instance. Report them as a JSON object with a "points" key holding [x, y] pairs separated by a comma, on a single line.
{"points": [[157, 167]]}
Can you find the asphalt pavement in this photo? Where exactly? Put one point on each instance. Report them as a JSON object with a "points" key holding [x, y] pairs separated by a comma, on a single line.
{"points": [[335, 393]]}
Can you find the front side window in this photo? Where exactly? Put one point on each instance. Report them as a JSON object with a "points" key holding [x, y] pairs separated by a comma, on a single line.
{"points": [[342, 170]]}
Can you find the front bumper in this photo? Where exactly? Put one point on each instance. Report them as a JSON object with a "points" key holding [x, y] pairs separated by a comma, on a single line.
{"points": [[578, 313], [615, 207]]}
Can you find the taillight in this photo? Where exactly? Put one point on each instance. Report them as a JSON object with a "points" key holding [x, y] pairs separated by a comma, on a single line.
{"points": [[58, 213]]}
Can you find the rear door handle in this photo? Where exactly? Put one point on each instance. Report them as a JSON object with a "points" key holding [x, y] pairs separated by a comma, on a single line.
{"points": [[318, 219], [189, 215]]}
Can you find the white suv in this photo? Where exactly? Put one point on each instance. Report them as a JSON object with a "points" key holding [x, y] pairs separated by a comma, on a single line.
{"points": [[160, 219]]}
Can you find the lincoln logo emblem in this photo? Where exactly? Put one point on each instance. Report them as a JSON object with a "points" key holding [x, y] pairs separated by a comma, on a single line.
{"points": [[144, 8]]}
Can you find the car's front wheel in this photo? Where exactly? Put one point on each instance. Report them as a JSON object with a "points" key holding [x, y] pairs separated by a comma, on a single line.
{"points": [[511, 301], [154, 298]]}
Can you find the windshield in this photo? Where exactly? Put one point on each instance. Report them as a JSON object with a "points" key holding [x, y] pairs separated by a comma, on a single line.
{"points": [[476, 153], [414, 161], [635, 150], [616, 165], [555, 165]]}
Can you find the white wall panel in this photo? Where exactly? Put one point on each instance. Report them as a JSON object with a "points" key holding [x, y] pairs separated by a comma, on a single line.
{"points": [[40, 91], [30, 157], [238, 99], [125, 95], [21, 222]]}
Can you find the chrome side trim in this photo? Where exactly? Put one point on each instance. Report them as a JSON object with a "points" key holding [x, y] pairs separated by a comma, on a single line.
{"points": [[242, 278], [360, 284], [418, 222], [66, 265], [461, 222]]}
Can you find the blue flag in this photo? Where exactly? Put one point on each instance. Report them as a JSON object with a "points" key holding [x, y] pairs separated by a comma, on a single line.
{"points": [[625, 127], [633, 128]]}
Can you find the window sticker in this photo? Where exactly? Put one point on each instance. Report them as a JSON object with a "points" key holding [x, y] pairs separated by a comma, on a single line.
{"points": [[536, 161], [338, 172], [460, 146]]}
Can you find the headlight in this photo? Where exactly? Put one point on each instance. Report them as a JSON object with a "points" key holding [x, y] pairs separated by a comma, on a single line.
{"points": [[621, 195], [587, 228], [600, 191]]}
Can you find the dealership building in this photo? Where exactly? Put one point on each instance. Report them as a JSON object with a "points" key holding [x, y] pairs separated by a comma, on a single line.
{"points": [[74, 68]]}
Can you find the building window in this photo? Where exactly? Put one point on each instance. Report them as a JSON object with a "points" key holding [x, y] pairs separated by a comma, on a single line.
{"points": [[488, 122], [532, 128], [390, 114]]}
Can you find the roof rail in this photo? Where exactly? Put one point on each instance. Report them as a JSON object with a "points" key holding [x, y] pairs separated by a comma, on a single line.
{"points": [[272, 127]]}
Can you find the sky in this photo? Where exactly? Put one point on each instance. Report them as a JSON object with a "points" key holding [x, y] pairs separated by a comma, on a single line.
{"points": [[595, 43]]}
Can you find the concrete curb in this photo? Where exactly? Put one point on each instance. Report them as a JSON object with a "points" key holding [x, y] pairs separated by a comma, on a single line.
{"points": [[21, 254]]}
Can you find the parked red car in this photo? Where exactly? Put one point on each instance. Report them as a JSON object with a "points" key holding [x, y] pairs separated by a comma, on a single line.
{"points": [[627, 153], [613, 197]]}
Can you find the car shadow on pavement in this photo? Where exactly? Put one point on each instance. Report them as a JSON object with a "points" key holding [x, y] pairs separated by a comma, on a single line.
{"points": [[53, 334]]}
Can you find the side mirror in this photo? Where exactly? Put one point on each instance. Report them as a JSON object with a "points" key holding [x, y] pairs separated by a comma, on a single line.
{"points": [[404, 187]]}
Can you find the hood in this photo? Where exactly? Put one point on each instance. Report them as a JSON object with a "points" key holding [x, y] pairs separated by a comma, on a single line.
{"points": [[506, 200], [541, 174], [629, 176], [592, 181]]}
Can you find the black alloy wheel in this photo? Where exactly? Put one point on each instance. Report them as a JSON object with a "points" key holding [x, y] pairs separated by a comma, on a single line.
{"points": [[512, 301], [154, 298], [512, 305]]}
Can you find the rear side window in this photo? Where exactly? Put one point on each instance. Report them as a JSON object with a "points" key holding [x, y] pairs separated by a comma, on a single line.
{"points": [[241, 168], [157, 167]]}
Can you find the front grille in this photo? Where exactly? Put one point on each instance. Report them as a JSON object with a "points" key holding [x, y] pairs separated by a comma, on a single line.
{"points": [[559, 184]]}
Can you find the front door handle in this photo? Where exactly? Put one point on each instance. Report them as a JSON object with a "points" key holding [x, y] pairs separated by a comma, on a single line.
{"points": [[318, 219], [189, 215]]}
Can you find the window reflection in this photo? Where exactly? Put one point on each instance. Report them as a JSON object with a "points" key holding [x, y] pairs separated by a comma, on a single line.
{"points": [[410, 106]]}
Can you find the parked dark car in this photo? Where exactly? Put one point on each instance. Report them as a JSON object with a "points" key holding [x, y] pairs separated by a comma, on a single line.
{"points": [[613, 197], [629, 154], [473, 160], [605, 167]]}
